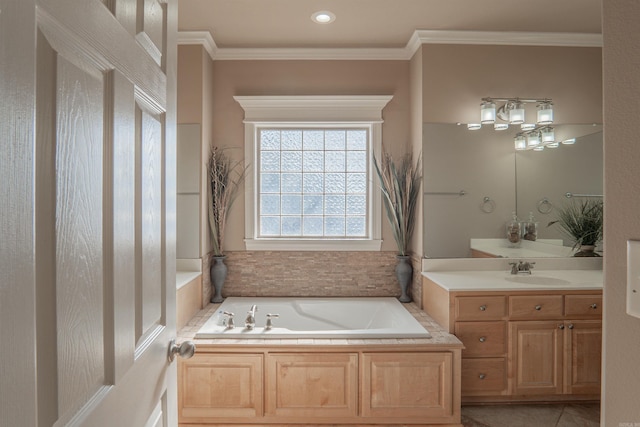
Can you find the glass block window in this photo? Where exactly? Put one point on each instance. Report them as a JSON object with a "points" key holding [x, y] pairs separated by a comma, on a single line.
{"points": [[313, 182]]}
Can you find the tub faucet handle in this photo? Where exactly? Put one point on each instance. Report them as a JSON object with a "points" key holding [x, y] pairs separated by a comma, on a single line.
{"points": [[269, 324], [228, 321]]}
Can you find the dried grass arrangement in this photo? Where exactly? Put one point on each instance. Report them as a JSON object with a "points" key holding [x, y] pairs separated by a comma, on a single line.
{"points": [[225, 176], [400, 185]]}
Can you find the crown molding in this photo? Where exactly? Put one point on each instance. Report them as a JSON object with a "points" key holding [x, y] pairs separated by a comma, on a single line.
{"points": [[199, 37], [418, 38]]}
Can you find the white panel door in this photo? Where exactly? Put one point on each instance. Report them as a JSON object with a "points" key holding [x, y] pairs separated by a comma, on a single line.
{"points": [[87, 180]]}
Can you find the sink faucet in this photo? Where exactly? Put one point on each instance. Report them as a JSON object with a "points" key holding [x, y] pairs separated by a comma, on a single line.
{"points": [[250, 321], [521, 267]]}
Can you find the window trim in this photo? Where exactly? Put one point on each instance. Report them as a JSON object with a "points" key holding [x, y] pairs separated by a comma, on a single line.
{"points": [[305, 111]]}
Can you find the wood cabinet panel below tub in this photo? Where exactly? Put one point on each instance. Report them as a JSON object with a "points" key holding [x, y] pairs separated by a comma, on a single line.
{"points": [[312, 385], [220, 386], [407, 385]]}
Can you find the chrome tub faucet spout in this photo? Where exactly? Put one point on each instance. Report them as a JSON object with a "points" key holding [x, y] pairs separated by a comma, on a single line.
{"points": [[250, 321]]}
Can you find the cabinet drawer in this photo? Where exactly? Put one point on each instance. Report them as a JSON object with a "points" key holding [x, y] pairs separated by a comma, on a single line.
{"points": [[533, 307], [482, 338], [484, 376], [583, 306], [480, 308]]}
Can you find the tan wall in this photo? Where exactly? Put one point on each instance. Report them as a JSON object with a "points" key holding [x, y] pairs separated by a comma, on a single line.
{"points": [[233, 78], [622, 204], [457, 76], [190, 84]]}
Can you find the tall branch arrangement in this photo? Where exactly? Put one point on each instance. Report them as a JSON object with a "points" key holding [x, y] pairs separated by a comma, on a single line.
{"points": [[224, 179], [400, 185]]}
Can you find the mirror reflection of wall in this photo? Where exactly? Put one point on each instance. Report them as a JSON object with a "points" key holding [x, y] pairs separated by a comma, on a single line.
{"points": [[484, 164]]}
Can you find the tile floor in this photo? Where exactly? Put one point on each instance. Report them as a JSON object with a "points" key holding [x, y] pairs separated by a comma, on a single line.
{"points": [[557, 415]]}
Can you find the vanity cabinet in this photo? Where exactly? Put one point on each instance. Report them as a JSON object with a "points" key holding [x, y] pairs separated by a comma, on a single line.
{"points": [[523, 345]]}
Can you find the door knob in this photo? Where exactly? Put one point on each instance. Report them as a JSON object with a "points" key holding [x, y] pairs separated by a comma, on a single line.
{"points": [[184, 350]]}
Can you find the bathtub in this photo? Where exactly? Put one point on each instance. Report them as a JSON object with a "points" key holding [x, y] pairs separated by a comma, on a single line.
{"points": [[372, 317]]}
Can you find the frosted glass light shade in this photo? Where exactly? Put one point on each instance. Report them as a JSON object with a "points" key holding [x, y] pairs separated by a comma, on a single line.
{"points": [[569, 141], [538, 148], [520, 143], [500, 126], [533, 139], [548, 135], [527, 126], [516, 114], [487, 112], [545, 113], [474, 126], [553, 145]]}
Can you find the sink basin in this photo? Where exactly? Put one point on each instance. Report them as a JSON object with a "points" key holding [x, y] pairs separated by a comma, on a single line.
{"points": [[538, 280]]}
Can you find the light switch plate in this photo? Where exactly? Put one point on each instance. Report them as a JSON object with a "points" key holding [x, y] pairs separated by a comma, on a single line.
{"points": [[633, 278]]}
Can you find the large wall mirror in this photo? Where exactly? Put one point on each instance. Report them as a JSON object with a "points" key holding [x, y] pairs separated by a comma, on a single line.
{"points": [[475, 180]]}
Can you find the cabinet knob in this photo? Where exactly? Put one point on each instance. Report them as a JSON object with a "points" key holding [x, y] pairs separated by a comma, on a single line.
{"points": [[482, 376], [594, 306], [538, 307], [483, 307], [483, 339], [570, 325], [560, 326]]}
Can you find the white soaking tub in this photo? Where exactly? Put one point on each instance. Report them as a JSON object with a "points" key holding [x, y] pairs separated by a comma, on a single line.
{"points": [[372, 317]]}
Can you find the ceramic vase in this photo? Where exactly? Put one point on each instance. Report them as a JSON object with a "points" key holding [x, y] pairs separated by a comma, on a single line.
{"points": [[218, 272], [404, 273]]}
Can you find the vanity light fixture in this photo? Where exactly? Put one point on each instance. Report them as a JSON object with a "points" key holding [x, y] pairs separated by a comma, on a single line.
{"points": [[501, 126], [533, 139], [323, 17], [520, 143], [548, 136], [527, 126]]}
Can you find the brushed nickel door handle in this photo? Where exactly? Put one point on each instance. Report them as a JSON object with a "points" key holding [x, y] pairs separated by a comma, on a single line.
{"points": [[185, 350]]}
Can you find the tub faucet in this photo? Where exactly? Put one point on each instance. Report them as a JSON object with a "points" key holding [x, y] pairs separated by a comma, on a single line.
{"points": [[250, 321]]}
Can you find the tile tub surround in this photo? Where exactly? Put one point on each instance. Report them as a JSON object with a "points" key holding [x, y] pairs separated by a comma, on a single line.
{"points": [[311, 273]]}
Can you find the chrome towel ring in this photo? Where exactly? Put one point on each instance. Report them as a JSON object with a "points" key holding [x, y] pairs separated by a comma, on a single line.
{"points": [[545, 206]]}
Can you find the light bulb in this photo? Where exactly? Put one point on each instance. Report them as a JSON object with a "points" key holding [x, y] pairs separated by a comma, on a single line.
{"points": [[545, 113], [487, 112], [548, 135], [516, 114]]}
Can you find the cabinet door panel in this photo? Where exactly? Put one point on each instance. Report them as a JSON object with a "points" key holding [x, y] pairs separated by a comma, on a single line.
{"points": [[215, 386], [312, 385], [407, 385], [583, 355], [536, 358]]}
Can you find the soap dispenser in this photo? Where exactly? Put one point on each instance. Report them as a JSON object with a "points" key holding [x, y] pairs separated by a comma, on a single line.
{"points": [[530, 229], [514, 231]]}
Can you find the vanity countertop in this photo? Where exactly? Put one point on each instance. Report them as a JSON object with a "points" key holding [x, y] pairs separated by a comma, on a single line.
{"points": [[543, 280]]}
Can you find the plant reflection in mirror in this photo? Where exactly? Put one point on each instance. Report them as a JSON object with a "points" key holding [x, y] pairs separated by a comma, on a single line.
{"points": [[581, 221]]}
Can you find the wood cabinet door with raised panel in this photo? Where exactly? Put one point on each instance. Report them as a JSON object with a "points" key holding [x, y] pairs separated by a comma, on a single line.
{"points": [[312, 385], [407, 385], [218, 386], [535, 366], [583, 356]]}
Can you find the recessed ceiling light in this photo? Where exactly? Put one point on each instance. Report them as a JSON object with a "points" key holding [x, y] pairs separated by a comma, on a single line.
{"points": [[323, 17]]}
